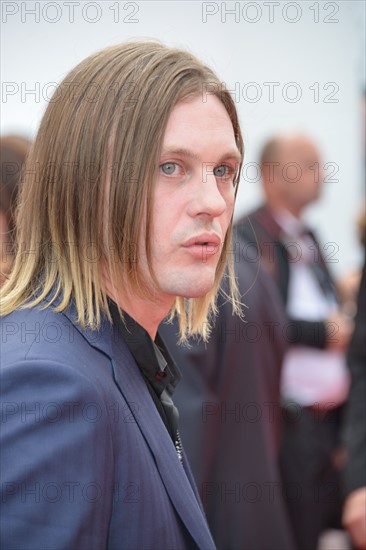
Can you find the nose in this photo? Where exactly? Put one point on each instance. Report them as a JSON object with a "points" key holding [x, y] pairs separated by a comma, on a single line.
{"points": [[206, 198]]}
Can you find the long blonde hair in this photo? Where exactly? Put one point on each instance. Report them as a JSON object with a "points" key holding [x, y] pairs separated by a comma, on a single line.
{"points": [[105, 122]]}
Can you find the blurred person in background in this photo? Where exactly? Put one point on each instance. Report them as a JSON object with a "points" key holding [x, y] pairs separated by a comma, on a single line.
{"points": [[230, 413], [348, 285], [315, 379], [13, 152], [354, 479]]}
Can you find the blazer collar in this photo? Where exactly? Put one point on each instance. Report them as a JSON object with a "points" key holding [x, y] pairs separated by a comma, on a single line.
{"points": [[265, 216]]}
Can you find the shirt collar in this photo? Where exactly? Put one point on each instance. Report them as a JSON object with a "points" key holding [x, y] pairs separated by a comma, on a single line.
{"points": [[290, 225], [152, 357]]}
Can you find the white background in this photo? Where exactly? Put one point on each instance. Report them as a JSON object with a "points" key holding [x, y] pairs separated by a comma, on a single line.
{"points": [[302, 42]]}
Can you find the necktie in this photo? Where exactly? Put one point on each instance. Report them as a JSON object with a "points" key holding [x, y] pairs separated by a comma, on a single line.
{"points": [[316, 263]]}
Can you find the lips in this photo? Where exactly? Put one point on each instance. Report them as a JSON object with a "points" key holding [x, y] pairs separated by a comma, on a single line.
{"points": [[203, 247], [204, 239]]}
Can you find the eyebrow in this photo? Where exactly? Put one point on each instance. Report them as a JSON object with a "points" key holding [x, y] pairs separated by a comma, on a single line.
{"points": [[233, 153]]}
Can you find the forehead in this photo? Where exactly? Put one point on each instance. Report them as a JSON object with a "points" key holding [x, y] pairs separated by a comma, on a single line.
{"points": [[198, 124], [299, 148]]}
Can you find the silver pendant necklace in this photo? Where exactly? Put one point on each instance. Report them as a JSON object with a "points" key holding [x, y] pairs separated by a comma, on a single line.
{"points": [[179, 447]]}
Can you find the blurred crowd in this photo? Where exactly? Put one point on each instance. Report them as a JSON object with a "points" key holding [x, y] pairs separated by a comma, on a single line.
{"points": [[272, 409]]}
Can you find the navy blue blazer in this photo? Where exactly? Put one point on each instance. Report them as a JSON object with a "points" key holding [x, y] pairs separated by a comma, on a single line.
{"points": [[86, 460]]}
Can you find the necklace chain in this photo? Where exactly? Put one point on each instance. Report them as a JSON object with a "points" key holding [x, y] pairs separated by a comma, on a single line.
{"points": [[179, 447]]}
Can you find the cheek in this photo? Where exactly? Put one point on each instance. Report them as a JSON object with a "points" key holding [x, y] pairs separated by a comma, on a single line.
{"points": [[163, 229], [227, 192], [226, 218], [230, 203]]}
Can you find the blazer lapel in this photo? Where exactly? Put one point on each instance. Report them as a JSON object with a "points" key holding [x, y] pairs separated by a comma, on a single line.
{"points": [[183, 496], [132, 386]]}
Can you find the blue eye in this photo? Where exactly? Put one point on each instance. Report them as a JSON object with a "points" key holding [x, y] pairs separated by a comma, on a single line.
{"points": [[168, 168], [220, 171], [223, 171]]}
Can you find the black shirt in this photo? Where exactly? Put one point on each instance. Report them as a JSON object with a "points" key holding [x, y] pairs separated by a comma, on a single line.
{"points": [[155, 363]]}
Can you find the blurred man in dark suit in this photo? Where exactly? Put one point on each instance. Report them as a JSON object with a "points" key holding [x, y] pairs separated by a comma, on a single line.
{"points": [[315, 380], [354, 513]]}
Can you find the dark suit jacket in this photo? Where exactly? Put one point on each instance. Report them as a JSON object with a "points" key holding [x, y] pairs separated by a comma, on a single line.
{"points": [[229, 409], [86, 460], [261, 229], [355, 417]]}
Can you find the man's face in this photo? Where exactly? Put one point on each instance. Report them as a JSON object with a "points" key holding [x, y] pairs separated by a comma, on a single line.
{"points": [[300, 172], [193, 198]]}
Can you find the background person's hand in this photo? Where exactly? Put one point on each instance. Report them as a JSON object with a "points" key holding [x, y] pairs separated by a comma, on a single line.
{"points": [[354, 517], [339, 330]]}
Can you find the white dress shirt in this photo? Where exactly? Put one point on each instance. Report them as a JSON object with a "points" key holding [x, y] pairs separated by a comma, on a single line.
{"points": [[310, 376]]}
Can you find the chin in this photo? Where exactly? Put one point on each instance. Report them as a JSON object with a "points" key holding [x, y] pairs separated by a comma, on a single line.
{"points": [[190, 287], [197, 293]]}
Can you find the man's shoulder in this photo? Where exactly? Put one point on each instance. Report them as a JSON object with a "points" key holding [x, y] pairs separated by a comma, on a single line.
{"points": [[251, 215], [41, 333], [258, 225], [247, 225]]}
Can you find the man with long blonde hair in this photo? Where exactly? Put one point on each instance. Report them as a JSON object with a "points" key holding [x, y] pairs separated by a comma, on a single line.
{"points": [[124, 218]]}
